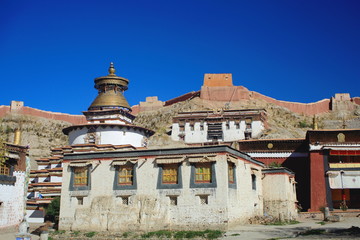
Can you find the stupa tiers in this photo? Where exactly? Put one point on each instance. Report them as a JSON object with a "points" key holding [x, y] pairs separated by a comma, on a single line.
{"points": [[109, 118]]}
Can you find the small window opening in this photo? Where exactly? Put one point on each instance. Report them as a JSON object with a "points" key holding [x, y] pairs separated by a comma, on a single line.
{"points": [[231, 172], [173, 200], [80, 200], [125, 200], [253, 181], [204, 200]]}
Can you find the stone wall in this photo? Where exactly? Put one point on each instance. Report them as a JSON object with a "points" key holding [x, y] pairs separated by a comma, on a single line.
{"points": [[279, 196], [151, 104], [12, 201], [149, 208], [239, 93], [17, 107]]}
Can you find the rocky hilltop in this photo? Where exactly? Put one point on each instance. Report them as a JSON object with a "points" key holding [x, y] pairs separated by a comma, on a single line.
{"points": [[40, 134]]}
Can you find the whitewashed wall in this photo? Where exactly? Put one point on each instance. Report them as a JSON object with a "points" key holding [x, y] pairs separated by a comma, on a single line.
{"points": [[12, 198], [149, 207], [200, 136], [117, 135]]}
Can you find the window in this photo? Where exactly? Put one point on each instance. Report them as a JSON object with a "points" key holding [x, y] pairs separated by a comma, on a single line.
{"points": [[203, 173], [125, 200], [204, 199], [173, 200], [247, 135], [125, 176], [92, 138], [170, 174], [231, 172], [80, 200], [80, 176], [181, 126], [253, 181], [4, 170]]}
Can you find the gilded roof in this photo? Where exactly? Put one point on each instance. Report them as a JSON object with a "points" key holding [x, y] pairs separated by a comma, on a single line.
{"points": [[110, 91], [110, 99]]}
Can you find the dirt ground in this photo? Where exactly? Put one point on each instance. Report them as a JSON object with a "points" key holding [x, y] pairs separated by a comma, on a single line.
{"points": [[348, 228]]}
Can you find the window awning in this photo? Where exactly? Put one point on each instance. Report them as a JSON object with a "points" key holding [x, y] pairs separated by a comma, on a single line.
{"points": [[121, 162], [169, 160], [79, 164], [231, 158], [194, 159], [344, 179]]}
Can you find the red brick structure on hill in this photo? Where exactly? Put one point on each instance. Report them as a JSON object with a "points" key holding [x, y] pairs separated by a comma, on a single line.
{"points": [[217, 87]]}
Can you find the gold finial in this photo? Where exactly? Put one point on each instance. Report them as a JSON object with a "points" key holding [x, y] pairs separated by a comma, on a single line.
{"points": [[111, 69], [315, 124], [17, 137]]}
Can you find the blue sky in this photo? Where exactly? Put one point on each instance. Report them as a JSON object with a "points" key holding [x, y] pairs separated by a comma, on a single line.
{"points": [[300, 51]]}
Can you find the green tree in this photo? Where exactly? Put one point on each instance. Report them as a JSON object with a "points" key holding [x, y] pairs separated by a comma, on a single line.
{"points": [[53, 209]]}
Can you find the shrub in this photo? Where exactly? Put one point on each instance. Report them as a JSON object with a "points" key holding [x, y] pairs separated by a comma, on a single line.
{"points": [[53, 209], [90, 234]]}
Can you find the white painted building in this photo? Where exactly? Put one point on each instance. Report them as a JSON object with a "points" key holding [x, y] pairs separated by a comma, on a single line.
{"points": [[13, 185], [112, 182], [218, 126], [198, 188]]}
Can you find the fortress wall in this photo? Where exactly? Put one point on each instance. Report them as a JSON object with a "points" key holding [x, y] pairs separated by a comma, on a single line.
{"points": [[135, 109], [321, 106], [4, 110], [182, 98], [74, 119], [19, 108], [356, 100], [238, 93]]}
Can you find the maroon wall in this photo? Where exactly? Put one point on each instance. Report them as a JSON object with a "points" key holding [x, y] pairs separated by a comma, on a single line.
{"points": [[317, 181]]}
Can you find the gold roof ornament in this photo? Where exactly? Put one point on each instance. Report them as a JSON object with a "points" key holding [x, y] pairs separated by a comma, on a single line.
{"points": [[110, 91], [315, 124], [110, 99]]}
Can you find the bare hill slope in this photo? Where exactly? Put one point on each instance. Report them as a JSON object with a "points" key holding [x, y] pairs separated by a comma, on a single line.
{"points": [[42, 134]]}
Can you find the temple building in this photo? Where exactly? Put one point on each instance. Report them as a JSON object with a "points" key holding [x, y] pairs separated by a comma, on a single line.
{"points": [[326, 164], [218, 126], [44, 186], [14, 169], [112, 182]]}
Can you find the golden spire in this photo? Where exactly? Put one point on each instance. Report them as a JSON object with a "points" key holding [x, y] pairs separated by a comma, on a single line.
{"points": [[110, 91], [111, 69], [315, 124]]}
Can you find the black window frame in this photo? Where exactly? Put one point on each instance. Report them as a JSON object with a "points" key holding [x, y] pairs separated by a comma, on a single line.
{"points": [[117, 186], [161, 185]]}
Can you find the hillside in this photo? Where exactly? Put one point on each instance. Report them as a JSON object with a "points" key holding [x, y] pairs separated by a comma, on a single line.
{"points": [[42, 134], [282, 122]]}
